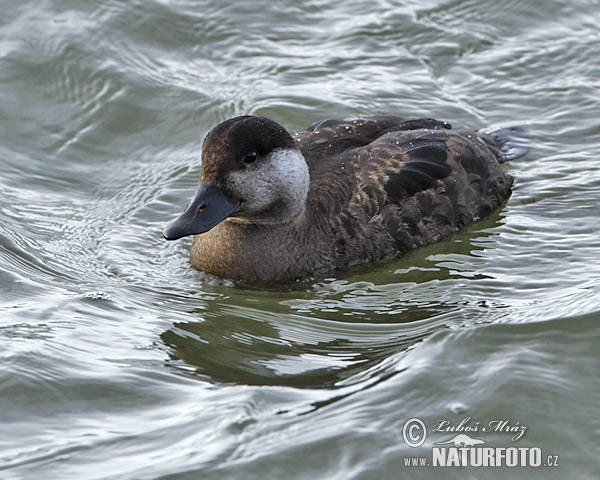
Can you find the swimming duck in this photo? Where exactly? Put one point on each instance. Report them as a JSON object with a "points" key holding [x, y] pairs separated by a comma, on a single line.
{"points": [[273, 206]]}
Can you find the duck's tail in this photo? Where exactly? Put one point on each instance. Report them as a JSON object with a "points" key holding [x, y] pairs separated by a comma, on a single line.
{"points": [[513, 142]]}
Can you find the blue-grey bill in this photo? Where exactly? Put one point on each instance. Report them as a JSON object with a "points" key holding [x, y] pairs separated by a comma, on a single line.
{"points": [[208, 208]]}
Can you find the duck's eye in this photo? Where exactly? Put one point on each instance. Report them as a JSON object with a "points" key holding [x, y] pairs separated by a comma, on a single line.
{"points": [[251, 157]]}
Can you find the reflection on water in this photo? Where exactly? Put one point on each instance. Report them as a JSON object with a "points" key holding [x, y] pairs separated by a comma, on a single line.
{"points": [[325, 334], [254, 347]]}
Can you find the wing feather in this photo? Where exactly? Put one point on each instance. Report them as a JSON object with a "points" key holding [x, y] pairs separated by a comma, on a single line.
{"points": [[386, 184]]}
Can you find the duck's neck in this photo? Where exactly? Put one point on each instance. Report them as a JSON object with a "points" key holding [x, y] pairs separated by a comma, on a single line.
{"points": [[250, 252], [268, 239]]}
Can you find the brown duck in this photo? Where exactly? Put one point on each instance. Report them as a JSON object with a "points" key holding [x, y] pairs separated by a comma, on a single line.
{"points": [[274, 206]]}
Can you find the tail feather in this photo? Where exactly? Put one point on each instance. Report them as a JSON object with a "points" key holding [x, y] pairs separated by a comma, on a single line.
{"points": [[513, 142]]}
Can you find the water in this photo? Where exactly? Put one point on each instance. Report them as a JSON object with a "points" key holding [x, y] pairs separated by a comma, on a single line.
{"points": [[119, 361]]}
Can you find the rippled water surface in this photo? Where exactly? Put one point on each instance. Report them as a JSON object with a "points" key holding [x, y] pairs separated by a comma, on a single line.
{"points": [[119, 361]]}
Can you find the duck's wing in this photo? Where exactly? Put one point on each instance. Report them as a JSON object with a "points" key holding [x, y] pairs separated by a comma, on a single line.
{"points": [[424, 184], [332, 137], [405, 187]]}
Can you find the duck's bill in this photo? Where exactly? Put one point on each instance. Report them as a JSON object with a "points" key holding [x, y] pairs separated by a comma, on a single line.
{"points": [[208, 208]]}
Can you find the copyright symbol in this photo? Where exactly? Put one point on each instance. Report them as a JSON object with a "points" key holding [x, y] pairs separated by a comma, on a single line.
{"points": [[414, 432]]}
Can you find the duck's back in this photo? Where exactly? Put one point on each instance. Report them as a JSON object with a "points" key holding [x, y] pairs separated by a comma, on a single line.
{"points": [[381, 185]]}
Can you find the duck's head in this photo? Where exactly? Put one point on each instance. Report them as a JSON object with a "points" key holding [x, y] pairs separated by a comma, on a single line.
{"points": [[252, 172]]}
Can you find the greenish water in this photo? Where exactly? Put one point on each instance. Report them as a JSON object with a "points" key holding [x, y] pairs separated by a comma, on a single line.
{"points": [[119, 361]]}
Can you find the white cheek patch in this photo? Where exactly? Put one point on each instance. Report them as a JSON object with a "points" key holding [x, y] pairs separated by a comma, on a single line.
{"points": [[253, 187], [290, 168], [281, 178]]}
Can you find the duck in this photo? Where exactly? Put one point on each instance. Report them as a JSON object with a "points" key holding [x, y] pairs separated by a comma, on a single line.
{"points": [[274, 206]]}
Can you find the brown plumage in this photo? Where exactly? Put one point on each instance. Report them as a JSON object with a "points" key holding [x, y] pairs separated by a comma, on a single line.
{"points": [[374, 187]]}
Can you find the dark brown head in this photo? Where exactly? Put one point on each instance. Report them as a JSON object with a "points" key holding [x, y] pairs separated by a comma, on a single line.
{"points": [[251, 172], [236, 142]]}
